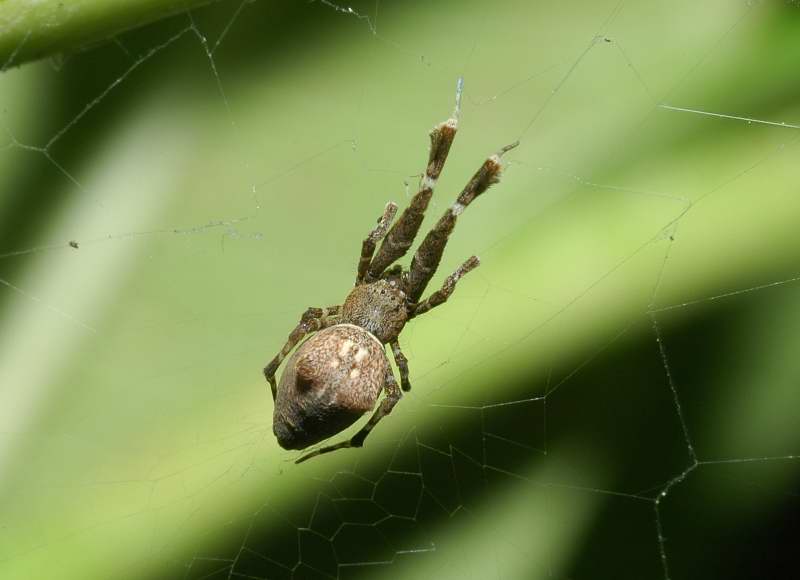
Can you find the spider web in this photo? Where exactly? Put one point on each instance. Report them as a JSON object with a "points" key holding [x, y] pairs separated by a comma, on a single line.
{"points": [[613, 393]]}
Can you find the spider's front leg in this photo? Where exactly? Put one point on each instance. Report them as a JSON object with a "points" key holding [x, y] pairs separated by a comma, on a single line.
{"points": [[377, 234], [401, 236], [429, 254], [393, 395], [312, 320]]}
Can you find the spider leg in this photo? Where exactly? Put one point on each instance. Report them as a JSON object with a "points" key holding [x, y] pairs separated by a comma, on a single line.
{"points": [[312, 320], [393, 272], [429, 254], [402, 364], [401, 236], [393, 395], [441, 295], [368, 245]]}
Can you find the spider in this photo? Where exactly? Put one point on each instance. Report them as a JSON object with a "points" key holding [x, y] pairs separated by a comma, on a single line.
{"points": [[337, 374]]}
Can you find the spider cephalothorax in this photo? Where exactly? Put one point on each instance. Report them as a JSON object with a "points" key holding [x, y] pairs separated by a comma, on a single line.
{"points": [[336, 376], [379, 307]]}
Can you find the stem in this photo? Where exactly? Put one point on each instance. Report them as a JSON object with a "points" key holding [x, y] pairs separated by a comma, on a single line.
{"points": [[34, 30]]}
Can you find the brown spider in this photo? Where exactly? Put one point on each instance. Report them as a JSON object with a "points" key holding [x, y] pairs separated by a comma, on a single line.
{"points": [[337, 374]]}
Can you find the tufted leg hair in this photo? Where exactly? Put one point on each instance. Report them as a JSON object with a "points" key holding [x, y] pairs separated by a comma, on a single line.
{"points": [[429, 254]]}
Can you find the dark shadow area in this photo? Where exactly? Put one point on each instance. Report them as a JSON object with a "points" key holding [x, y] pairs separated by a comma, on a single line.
{"points": [[617, 407]]}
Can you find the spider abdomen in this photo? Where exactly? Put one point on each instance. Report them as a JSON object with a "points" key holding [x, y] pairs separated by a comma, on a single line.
{"points": [[336, 375], [330, 381]]}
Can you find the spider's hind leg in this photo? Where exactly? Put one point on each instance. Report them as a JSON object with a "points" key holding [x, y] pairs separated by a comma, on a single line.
{"points": [[393, 395], [429, 254], [312, 320], [402, 364]]}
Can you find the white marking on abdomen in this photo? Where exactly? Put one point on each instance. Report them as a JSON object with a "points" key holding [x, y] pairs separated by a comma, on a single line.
{"points": [[364, 330], [345, 348]]}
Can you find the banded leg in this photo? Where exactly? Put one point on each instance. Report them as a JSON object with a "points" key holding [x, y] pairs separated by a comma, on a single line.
{"points": [[368, 245], [401, 236], [390, 399], [312, 320], [429, 254], [441, 295], [402, 364]]}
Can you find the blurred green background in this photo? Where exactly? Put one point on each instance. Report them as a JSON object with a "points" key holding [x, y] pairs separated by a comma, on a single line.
{"points": [[614, 393]]}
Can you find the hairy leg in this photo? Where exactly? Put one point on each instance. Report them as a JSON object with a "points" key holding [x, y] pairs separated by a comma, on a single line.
{"points": [[403, 232], [429, 254], [441, 295], [312, 320], [377, 234], [402, 364], [393, 395]]}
